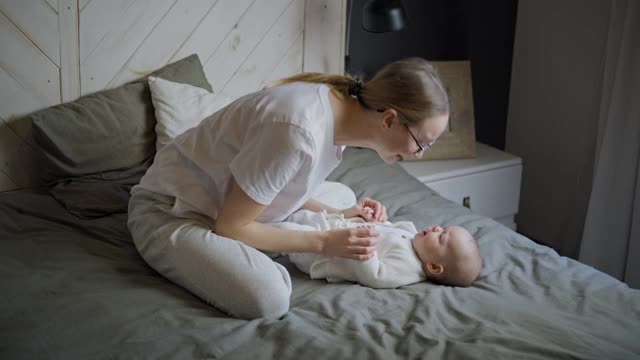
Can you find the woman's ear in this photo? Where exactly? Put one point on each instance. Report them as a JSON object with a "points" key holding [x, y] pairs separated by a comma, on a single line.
{"points": [[388, 117], [434, 269]]}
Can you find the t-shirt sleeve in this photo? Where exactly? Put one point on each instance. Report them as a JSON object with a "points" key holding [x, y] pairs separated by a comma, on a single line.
{"points": [[270, 158]]}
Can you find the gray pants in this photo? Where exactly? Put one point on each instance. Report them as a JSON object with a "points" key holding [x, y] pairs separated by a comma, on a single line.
{"points": [[226, 273]]}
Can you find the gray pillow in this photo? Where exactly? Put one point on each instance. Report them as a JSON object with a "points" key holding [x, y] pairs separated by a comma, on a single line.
{"points": [[88, 199], [107, 136], [101, 135]]}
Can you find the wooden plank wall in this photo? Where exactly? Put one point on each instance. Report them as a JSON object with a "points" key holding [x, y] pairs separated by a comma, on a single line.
{"points": [[54, 51]]}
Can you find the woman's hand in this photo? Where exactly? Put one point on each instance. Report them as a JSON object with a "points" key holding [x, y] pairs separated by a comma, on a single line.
{"points": [[368, 209], [355, 243]]}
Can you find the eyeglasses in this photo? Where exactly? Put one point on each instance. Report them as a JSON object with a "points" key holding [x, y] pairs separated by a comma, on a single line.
{"points": [[420, 147]]}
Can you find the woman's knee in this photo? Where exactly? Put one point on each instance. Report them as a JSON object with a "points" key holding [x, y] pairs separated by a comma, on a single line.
{"points": [[266, 298], [234, 277], [269, 305]]}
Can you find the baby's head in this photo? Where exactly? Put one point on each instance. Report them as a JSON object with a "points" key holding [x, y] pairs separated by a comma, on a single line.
{"points": [[449, 255]]}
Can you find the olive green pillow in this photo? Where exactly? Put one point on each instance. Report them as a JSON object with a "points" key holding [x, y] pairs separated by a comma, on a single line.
{"points": [[105, 134]]}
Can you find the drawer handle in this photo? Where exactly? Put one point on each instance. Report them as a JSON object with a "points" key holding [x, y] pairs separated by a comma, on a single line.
{"points": [[466, 202]]}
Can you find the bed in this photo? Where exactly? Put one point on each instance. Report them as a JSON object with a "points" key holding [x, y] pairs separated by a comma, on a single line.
{"points": [[75, 287]]}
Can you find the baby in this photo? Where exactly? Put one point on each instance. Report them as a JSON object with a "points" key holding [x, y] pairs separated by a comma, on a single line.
{"points": [[403, 256]]}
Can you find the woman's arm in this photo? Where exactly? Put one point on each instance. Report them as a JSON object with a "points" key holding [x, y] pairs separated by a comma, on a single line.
{"points": [[317, 206], [236, 220], [367, 209]]}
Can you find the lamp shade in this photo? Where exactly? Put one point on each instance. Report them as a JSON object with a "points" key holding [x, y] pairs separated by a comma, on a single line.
{"points": [[381, 16]]}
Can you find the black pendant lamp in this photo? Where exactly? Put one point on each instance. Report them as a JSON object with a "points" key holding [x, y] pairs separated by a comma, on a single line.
{"points": [[380, 16]]}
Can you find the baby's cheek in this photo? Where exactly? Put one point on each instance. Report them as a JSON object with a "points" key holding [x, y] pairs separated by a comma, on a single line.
{"points": [[431, 238], [422, 245]]}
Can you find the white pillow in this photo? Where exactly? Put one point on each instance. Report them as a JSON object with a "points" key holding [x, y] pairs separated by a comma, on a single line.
{"points": [[335, 194], [179, 107]]}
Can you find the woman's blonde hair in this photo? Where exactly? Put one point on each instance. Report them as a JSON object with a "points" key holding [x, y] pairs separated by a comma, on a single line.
{"points": [[410, 86]]}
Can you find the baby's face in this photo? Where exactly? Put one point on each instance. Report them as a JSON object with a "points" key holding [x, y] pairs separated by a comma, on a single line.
{"points": [[442, 245]]}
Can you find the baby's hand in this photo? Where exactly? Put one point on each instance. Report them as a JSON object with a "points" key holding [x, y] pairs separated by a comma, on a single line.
{"points": [[365, 213], [375, 211], [367, 209]]}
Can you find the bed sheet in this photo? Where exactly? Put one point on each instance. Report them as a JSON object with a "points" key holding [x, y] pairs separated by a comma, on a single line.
{"points": [[77, 288]]}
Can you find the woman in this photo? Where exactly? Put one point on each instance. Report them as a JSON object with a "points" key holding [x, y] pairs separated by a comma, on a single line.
{"points": [[200, 216]]}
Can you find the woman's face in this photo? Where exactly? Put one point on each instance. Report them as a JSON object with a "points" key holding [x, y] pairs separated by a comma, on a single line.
{"points": [[400, 144]]}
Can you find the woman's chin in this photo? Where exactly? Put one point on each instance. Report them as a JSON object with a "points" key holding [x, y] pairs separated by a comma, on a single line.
{"points": [[390, 160], [394, 159]]}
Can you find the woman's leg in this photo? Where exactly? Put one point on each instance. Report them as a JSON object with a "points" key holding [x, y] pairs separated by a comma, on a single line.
{"points": [[226, 273]]}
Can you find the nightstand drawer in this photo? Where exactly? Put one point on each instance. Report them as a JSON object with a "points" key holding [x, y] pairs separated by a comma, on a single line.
{"points": [[489, 184], [494, 193]]}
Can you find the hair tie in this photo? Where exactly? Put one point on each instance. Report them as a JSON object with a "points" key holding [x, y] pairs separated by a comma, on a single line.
{"points": [[355, 88]]}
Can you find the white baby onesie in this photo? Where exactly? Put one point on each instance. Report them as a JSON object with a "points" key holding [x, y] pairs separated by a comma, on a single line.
{"points": [[394, 264]]}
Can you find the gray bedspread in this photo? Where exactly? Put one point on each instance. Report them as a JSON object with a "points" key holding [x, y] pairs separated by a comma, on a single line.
{"points": [[75, 288]]}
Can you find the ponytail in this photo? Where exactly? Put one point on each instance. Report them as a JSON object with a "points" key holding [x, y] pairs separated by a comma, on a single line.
{"points": [[411, 86], [341, 83]]}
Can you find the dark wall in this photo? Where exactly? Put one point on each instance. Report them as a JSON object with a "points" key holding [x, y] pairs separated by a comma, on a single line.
{"points": [[480, 31]]}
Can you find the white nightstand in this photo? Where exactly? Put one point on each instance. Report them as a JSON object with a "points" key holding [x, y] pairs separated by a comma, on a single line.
{"points": [[489, 184]]}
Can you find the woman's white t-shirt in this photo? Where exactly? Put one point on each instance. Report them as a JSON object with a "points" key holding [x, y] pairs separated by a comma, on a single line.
{"points": [[277, 144]]}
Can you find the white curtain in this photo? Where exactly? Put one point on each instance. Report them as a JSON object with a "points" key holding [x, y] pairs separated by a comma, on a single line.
{"points": [[611, 236]]}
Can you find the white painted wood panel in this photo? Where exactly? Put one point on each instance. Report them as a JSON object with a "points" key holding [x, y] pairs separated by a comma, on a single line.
{"points": [[241, 40], [53, 4], [267, 54], [324, 42], [38, 20], [115, 49], [97, 20], [82, 4], [212, 30], [291, 63], [69, 50], [55, 50], [26, 63], [15, 99], [167, 36]]}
